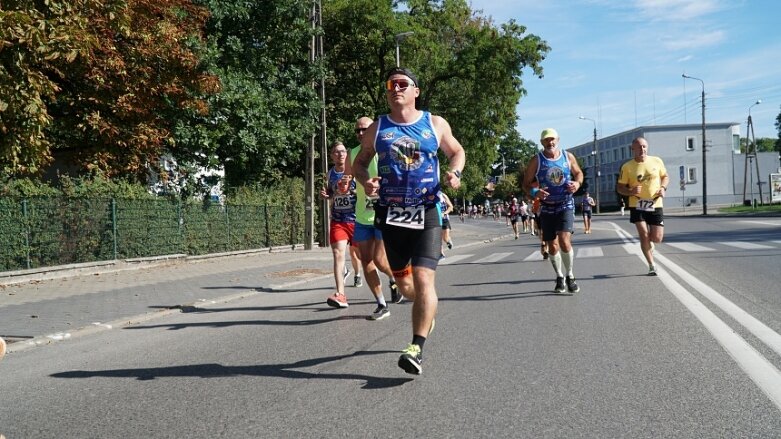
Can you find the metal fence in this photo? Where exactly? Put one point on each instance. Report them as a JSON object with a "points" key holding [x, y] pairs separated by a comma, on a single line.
{"points": [[43, 232]]}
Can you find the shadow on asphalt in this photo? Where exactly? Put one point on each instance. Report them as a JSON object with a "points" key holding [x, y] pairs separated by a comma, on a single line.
{"points": [[213, 370], [309, 322]]}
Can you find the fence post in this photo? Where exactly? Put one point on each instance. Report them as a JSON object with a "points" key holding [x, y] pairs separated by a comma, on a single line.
{"points": [[268, 234], [180, 223], [114, 224], [293, 221], [26, 233], [228, 227]]}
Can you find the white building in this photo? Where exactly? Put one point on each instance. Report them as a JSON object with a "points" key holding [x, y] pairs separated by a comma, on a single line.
{"points": [[680, 146]]}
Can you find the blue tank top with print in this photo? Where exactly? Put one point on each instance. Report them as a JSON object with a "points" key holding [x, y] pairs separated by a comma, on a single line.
{"points": [[343, 207], [407, 162], [553, 176]]}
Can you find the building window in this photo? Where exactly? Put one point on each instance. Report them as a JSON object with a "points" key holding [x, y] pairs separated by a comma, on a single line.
{"points": [[691, 175], [689, 143], [736, 143]]}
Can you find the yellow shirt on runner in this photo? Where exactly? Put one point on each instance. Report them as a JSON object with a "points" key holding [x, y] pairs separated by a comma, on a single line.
{"points": [[648, 174]]}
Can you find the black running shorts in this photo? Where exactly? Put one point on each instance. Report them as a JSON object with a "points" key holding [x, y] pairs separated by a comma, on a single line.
{"points": [[655, 218], [403, 246]]}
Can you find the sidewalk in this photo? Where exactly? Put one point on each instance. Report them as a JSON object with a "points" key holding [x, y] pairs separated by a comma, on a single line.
{"points": [[65, 302]]}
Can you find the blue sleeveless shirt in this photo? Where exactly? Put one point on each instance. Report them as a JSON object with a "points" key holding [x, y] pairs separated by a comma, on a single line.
{"points": [[553, 176], [343, 207], [407, 162]]}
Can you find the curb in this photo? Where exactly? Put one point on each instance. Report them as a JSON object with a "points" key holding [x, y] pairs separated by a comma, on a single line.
{"points": [[118, 265]]}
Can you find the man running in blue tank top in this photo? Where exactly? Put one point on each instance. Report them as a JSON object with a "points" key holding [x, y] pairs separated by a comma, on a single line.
{"points": [[408, 212], [558, 176]]}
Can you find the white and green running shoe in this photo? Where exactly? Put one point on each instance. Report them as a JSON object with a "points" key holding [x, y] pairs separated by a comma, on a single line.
{"points": [[411, 360]]}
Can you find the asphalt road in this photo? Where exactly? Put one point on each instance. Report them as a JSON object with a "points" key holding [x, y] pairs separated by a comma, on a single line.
{"points": [[692, 353]]}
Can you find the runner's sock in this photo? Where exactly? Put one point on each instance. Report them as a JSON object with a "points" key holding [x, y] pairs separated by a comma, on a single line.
{"points": [[418, 340], [555, 260], [567, 260], [381, 300]]}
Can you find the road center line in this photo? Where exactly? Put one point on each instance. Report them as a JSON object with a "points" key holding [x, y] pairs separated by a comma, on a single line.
{"points": [[757, 367]]}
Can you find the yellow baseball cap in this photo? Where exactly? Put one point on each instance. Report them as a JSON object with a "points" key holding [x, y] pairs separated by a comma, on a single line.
{"points": [[547, 133]]}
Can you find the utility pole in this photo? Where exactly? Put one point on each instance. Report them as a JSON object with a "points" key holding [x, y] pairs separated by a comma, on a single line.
{"points": [[316, 53], [596, 162], [751, 153], [704, 150], [309, 168]]}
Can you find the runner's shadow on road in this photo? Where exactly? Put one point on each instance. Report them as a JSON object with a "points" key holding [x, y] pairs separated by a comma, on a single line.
{"points": [[213, 370], [501, 296], [314, 306], [228, 324]]}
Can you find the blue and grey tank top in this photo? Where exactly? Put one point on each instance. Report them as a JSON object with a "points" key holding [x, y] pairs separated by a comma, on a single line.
{"points": [[407, 162], [553, 176]]}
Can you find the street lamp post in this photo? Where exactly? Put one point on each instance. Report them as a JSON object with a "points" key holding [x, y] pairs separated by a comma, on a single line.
{"points": [[704, 162], [595, 152], [399, 38]]}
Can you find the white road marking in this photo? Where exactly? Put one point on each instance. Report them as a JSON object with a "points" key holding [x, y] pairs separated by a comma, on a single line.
{"points": [[453, 259], [766, 376], [536, 256], [590, 252], [746, 245], [764, 223], [689, 247], [491, 258]]}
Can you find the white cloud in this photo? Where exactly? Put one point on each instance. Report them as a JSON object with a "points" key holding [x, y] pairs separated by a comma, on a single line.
{"points": [[694, 40], [678, 10]]}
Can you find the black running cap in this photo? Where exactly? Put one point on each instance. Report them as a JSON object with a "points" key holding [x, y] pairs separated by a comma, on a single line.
{"points": [[402, 71]]}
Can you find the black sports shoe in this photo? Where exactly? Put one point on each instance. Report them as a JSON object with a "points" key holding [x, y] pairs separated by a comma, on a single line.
{"points": [[450, 245], [572, 286], [560, 286], [396, 296], [411, 360]]}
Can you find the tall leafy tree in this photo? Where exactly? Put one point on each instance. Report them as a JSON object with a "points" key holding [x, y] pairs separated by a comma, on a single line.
{"points": [[35, 39], [267, 108], [118, 106], [99, 83], [470, 69]]}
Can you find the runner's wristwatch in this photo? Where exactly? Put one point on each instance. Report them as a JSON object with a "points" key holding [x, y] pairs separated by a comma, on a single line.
{"points": [[457, 173]]}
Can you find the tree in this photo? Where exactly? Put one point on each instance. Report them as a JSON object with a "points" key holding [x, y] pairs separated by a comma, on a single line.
{"points": [[764, 144], [119, 106], [778, 129], [107, 85], [259, 123], [34, 40], [470, 70]]}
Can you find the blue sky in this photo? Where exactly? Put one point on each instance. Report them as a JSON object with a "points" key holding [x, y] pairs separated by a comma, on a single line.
{"points": [[620, 63]]}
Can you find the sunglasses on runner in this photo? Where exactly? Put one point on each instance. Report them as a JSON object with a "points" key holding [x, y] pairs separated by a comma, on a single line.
{"points": [[402, 84]]}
